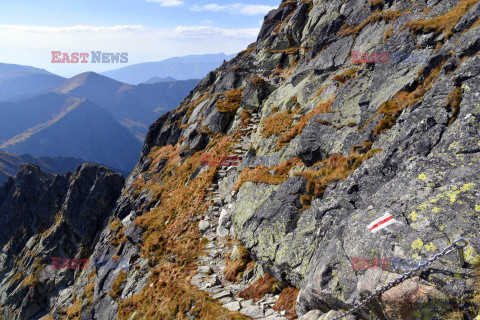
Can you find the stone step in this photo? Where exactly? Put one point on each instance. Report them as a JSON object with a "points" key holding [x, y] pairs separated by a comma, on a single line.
{"points": [[222, 294], [204, 269], [253, 311], [214, 290], [232, 306]]}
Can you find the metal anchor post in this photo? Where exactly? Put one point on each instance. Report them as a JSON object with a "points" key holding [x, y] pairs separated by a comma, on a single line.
{"points": [[459, 244]]}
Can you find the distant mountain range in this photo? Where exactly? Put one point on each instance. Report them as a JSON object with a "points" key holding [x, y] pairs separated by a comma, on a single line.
{"points": [[157, 80], [135, 107], [89, 116], [182, 68], [17, 80], [79, 129], [10, 163], [60, 123]]}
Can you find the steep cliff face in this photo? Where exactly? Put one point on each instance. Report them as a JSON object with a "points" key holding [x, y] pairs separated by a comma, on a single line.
{"points": [[365, 112], [45, 218], [390, 130]]}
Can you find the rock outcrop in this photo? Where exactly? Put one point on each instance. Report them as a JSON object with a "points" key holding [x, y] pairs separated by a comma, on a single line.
{"points": [[49, 224]]}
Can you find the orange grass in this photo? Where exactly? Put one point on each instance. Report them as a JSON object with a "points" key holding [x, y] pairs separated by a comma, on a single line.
{"points": [[444, 23], [172, 241]]}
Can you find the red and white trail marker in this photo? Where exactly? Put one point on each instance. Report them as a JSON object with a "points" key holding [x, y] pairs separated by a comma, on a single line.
{"points": [[381, 223]]}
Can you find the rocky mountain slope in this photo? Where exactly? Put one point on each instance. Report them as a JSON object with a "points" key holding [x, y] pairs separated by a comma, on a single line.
{"points": [[11, 163], [44, 217], [356, 127]]}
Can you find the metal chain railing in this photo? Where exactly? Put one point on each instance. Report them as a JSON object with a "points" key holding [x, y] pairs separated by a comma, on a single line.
{"points": [[458, 244]]}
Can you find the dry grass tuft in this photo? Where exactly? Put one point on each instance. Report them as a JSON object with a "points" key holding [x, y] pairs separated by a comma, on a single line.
{"points": [[74, 311], [286, 301], [117, 230], [259, 174], [263, 174], [387, 16], [230, 101], [277, 123], [234, 269], [444, 23], [376, 3], [387, 34], [288, 51], [117, 285], [297, 129], [335, 168], [259, 288], [343, 77], [453, 103], [258, 81]]}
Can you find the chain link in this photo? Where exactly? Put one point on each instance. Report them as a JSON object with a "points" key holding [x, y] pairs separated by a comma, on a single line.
{"points": [[451, 248]]}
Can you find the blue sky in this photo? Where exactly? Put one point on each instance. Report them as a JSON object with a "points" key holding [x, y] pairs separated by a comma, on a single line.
{"points": [[149, 30]]}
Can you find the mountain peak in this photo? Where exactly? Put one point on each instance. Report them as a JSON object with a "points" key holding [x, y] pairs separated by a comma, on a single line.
{"points": [[89, 79]]}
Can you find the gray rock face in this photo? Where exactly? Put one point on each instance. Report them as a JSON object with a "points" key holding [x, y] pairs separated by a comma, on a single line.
{"points": [[420, 168], [45, 222], [468, 19]]}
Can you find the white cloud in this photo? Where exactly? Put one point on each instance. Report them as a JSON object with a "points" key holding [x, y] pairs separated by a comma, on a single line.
{"points": [[77, 28], [202, 31], [236, 8], [168, 3], [32, 45]]}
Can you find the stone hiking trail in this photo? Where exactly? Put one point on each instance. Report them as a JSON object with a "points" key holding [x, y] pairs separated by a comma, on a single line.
{"points": [[216, 227]]}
